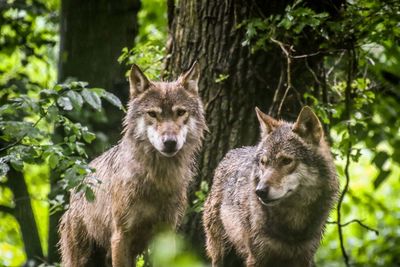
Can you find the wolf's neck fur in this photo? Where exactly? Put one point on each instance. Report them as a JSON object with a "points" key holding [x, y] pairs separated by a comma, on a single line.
{"points": [[297, 223], [156, 166]]}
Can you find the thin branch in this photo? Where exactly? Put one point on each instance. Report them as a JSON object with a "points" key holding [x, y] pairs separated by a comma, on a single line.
{"points": [[328, 73], [215, 97], [6, 209], [288, 72], [339, 206], [313, 73], [359, 222], [348, 156], [22, 137], [277, 90], [307, 55]]}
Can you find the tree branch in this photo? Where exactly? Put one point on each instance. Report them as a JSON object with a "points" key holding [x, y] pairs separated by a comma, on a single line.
{"points": [[288, 72], [7, 209], [348, 155], [359, 222]]}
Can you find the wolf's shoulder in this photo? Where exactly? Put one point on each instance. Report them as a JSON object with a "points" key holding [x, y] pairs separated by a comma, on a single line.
{"points": [[240, 155], [237, 162]]}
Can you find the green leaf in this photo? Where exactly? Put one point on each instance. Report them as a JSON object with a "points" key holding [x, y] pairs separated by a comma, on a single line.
{"points": [[113, 99], [88, 136], [382, 176], [91, 98], [52, 112], [78, 85], [380, 159], [53, 161], [17, 164], [89, 194], [46, 93], [4, 168], [76, 99], [64, 102]]}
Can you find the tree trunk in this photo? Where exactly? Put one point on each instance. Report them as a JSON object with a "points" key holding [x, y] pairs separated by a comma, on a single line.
{"points": [[233, 79], [93, 33], [23, 213]]}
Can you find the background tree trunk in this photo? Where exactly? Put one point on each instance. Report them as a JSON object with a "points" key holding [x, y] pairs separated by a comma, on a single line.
{"points": [[23, 213], [93, 33], [233, 79]]}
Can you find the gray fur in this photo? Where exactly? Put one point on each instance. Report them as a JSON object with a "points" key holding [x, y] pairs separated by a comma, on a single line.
{"points": [[282, 233], [141, 190]]}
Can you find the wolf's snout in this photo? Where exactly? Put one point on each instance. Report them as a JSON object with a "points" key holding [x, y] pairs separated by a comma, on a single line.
{"points": [[170, 144], [262, 192]]}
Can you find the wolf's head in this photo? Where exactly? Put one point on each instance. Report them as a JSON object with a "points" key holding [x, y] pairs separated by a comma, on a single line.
{"points": [[165, 116], [291, 157]]}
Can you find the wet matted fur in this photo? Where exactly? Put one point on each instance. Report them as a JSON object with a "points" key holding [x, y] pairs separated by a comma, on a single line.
{"points": [[144, 178], [270, 202]]}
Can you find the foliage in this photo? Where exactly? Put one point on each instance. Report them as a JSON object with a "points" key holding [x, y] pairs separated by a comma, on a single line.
{"points": [[31, 118], [149, 49], [27, 125], [169, 249], [355, 93]]}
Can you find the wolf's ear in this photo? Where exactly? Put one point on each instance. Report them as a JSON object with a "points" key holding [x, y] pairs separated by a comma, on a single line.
{"points": [[308, 126], [267, 123], [190, 79], [138, 82]]}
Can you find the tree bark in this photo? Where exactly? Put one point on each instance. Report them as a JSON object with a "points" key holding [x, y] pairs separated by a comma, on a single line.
{"points": [[93, 33], [208, 31], [23, 213]]}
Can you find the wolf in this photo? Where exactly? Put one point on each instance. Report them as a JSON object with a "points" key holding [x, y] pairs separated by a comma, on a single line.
{"points": [[269, 202], [144, 179]]}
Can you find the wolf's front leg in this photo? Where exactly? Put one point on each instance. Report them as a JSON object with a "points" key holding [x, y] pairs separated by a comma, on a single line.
{"points": [[120, 250]]}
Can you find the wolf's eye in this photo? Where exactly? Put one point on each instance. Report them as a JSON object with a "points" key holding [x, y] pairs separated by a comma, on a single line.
{"points": [[152, 114], [286, 161], [180, 112]]}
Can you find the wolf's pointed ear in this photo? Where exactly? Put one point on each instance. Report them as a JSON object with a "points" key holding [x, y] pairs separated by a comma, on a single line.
{"points": [[138, 82], [267, 123], [308, 126], [190, 78]]}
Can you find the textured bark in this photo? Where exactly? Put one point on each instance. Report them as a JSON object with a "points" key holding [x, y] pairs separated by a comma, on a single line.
{"points": [[93, 33], [23, 213], [208, 31]]}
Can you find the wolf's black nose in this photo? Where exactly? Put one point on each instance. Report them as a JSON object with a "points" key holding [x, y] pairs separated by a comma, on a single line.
{"points": [[169, 145], [262, 192]]}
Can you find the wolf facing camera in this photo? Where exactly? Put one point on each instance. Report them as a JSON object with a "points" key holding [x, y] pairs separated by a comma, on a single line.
{"points": [[269, 203], [143, 179]]}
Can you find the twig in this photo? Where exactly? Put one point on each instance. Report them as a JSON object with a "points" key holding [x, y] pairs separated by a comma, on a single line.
{"points": [[22, 137], [6, 209], [277, 90], [312, 72], [328, 73], [359, 222], [348, 154], [34, 125], [288, 72], [215, 97]]}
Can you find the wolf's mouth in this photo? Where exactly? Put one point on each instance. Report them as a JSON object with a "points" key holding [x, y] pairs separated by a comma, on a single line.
{"points": [[169, 154], [272, 202], [269, 202]]}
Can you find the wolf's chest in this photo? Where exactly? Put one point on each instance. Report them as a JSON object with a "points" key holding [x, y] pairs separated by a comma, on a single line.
{"points": [[154, 203]]}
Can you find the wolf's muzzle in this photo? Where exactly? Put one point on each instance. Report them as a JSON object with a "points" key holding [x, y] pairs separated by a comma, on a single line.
{"points": [[169, 144], [262, 192]]}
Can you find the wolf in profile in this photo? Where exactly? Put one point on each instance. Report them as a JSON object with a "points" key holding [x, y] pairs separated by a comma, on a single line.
{"points": [[144, 178], [270, 202]]}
